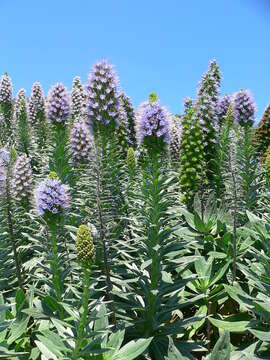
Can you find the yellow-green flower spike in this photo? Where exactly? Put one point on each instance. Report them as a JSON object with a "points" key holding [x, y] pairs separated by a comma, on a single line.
{"points": [[131, 160], [53, 176], [267, 165], [13, 154], [153, 97], [230, 114], [85, 246]]}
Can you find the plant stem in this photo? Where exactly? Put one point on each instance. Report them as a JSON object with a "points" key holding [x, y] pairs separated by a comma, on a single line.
{"points": [[54, 261], [102, 231], [235, 199], [83, 318], [11, 230], [153, 241]]}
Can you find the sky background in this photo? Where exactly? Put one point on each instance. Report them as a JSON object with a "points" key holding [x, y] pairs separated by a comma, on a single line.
{"points": [[155, 45]]}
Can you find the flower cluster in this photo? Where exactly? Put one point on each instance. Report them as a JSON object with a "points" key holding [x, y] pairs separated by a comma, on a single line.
{"points": [[4, 160], [244, 107], [262, 133], [36, 105], [175, 137], [78, 99], [122, 130], [210, 82], [81, 142], [85, 246], [52, 196], [206, 105], [23, 181], [222, 107], [102, 95], [128, 109], [5, 89], [267, 165], [19, 106], [131, 159], [192, 173], [152, 123], [58, 104]]}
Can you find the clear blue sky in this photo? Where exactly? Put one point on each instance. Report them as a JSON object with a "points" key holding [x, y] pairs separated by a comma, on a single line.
{"points": [[155, 45]]}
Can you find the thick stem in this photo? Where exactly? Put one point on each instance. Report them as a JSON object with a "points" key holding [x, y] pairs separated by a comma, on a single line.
{"points": [[54, 260], [83, 318], [208, 327], [234, 217], [60, 157], [102, 232], [11, 230], [153, 242]]}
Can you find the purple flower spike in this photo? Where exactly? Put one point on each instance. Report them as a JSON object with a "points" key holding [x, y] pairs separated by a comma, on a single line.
{"points": [[5, 89], [102, 95], [58, 104], [4, 160], [18, 107], [22, 179], [52, 197], [244, 108], [81, 142], [175, 137], [222, 107], [36, 103], [152, 122], [78, 99]]}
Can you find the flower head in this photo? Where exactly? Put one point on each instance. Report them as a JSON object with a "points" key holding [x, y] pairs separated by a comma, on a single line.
{"points": [[85, 246], [222, 107], [52, 196], [5, 89], [20, 102], [175, 137], [78, 99], [81, 142], [4, 160], [131, 159], [36, 103], [129, 114], [244, 107], [102, 94], [58, 104], [152, 122], [22, 181]]}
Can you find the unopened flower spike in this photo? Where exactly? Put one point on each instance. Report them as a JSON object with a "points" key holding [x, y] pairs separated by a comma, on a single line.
{"points": [[84, 246]]}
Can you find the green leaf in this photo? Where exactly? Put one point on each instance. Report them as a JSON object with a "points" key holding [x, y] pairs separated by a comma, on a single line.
{"points": [[47, 354], [101, 322], [219, 274], [261, 335], [17, 329], [114, 343], [132, 349], [199, 223], [173, 352], [222, 349], [230, 324]]}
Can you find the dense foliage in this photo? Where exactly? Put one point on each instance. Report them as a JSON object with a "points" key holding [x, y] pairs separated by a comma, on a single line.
{"points": [[133, 234]]}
